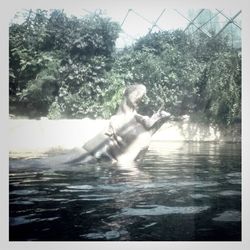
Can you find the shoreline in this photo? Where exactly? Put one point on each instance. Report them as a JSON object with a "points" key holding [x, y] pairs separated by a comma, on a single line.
{"points": [[44, 136]]}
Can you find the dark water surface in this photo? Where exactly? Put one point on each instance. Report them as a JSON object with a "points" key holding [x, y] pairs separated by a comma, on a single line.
{"points": [[181, 191]]}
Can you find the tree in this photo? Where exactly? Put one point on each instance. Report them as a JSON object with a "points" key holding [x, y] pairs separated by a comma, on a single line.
{"points": [[198, 75], [57, 63]]}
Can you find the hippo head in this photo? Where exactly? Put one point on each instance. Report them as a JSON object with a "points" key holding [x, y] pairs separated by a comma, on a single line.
{"points": [[133, 94]]}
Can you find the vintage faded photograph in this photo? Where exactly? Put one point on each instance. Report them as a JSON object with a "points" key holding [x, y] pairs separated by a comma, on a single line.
{"points": [[125, 124]]}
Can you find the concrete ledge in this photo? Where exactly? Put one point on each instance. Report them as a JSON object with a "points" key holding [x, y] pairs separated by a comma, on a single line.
{"points": [[43, 135], [189, 131]]}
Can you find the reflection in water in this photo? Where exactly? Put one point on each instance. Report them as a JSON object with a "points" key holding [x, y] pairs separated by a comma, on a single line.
{"points": [[181, 191]]}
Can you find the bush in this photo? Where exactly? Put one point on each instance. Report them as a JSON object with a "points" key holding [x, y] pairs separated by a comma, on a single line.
{"points": [[68, 68], [62, 61], [197, 76]]}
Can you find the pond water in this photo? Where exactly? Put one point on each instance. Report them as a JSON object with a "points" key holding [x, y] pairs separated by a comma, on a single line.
{"points": [[180, 192]]}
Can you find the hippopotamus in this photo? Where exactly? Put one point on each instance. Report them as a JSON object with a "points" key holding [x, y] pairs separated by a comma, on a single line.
{"points": [[124, 140], [128, 135]]}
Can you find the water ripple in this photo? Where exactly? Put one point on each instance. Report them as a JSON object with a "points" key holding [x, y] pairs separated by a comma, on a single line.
{"points": [[20, 220], [163, 210], [228, 216]]}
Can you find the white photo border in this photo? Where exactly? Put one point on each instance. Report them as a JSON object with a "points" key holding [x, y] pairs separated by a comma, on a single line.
{"points": [[8, 8]]}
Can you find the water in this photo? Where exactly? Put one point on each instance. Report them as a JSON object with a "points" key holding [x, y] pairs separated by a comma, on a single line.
{"points": [[180, 192]]}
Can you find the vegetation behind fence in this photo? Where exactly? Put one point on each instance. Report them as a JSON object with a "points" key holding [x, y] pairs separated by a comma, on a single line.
{"points": [[68, 67]]}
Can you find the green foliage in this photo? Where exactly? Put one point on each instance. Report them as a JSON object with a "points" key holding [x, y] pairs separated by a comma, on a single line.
{"points": [[196, 76], [60, 62], [169, 74], [112, 94], [223, 89], [65, 67]]}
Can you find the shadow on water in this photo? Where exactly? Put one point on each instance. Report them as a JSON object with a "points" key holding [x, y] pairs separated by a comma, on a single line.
{"points": [[181, 191]]}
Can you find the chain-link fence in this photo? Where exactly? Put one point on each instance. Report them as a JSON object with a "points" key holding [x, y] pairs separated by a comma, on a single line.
{"points": [[212, 23], [137, 23]]}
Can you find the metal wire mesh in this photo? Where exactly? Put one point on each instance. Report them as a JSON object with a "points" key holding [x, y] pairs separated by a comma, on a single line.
{"points": [[210, 22]]}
